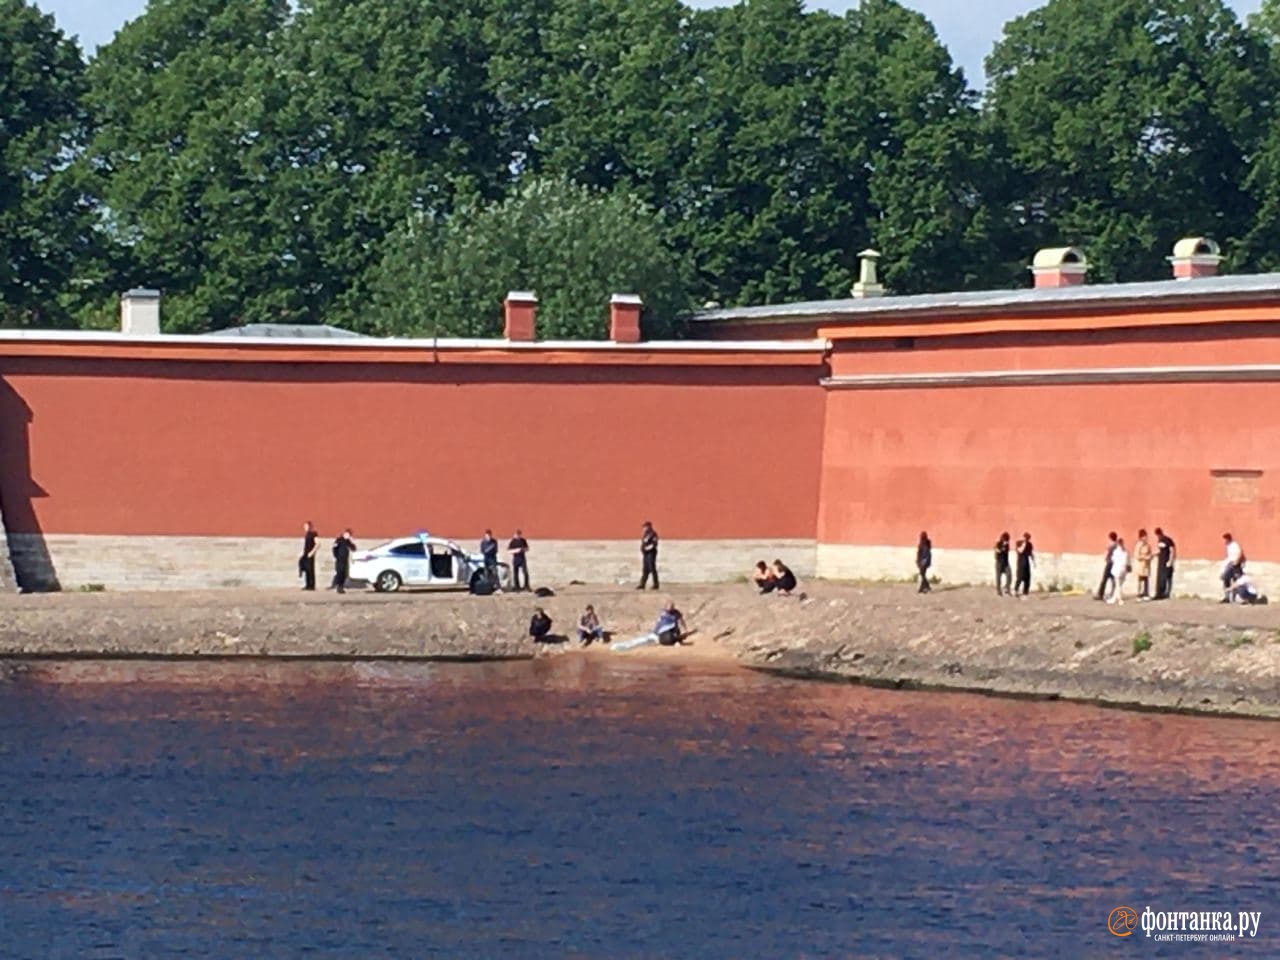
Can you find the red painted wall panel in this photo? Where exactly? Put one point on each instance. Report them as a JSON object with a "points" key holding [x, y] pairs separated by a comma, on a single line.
{"points": [[252, 449], [1067, 463]]}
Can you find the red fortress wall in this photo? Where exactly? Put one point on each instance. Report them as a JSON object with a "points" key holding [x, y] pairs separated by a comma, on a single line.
{"points": [[211, 440], [1064, 426]]}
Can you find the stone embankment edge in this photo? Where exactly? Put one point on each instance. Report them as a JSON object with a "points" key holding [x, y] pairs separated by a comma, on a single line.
{"points": [[1189, 701]]}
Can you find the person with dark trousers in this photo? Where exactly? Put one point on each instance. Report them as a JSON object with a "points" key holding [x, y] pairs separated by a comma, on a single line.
{"points": [[670, 628], [764, 577], [489, 551], [784, 581], [648, 555], [519, 547], [1004, 574], [1232, 566], [1026, 559], [307, 562], [343, 547], [1107, 576], [1166, 557], [924, 560], [539, 625]]}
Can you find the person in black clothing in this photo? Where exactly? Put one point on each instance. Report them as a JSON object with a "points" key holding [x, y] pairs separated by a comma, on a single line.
{"points": [[648, 555], [342, 549], [519, 546], [489, 551], [1004, 575], [1166, 556], [539, 625], [784, 579], [1107, 576], [307, 562], [924, 560], [1026, 557]]}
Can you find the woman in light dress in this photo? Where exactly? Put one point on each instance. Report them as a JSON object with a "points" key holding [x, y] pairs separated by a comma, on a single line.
{"points": [[1119, 570]]}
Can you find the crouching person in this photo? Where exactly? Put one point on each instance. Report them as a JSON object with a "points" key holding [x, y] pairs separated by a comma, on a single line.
{"points": [[589, 627], [670, 628], [539, 625]]}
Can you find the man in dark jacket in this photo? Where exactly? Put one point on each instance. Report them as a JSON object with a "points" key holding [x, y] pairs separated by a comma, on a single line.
{"points": [[519, 546], [924, 560], [307, 562], [489, 551], [1004, 573], [1108, 578], [1166, 556], [648, 555], [342, 550]]}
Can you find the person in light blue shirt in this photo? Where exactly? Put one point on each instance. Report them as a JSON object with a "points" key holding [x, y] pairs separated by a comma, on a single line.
{"points": [[670, 628]]}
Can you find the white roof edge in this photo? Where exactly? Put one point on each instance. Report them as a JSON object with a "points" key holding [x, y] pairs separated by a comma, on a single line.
{"points": [[415, 343], [1224, 287]]}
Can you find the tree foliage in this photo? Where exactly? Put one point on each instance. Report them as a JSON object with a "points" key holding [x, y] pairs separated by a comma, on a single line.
{"points": [[574, 246], [45, 214], [1128, 124], [273, 160]]}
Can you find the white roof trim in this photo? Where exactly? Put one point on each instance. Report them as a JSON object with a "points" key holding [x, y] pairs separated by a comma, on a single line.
{"points": [[1233, 373], [116, 338]]}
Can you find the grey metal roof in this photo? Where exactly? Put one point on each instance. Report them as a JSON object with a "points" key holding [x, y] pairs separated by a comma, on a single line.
{"points": [[294, 331], [1202, 289]]}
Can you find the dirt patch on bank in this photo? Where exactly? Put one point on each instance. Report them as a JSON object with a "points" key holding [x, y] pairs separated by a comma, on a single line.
{"points": [[1182, 654]]}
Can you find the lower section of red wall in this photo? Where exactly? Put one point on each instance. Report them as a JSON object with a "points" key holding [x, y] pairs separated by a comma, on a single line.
{"points": [[255, 449], [1067, 463]]}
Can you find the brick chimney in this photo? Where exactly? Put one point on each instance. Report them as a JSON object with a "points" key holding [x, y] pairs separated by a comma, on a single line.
{"points": [[1059, 267], [521, 312], [624, 318], [140, 312], [1195, 257]]}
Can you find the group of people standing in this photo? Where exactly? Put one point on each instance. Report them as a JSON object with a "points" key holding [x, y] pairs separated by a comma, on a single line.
{"points": [[343, 547], [1118, 563], [1023, 557]]}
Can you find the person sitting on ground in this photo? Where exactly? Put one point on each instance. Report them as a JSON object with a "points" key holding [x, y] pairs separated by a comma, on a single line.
{"points": [[1245, 590], [786, 580], [539, 625], [1232, 567], [589, 627], [670, 628], [763, 577]]}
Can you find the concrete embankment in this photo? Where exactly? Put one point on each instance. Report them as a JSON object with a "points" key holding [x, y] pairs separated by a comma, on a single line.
{"points": [[1179, 655]]}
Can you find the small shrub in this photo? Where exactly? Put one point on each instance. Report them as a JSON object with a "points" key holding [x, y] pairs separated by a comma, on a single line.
{"points": [[92, 587], [1141, 642], [1241, 640]]}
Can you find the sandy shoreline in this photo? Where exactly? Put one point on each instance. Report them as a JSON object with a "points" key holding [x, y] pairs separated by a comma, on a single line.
{"points": [[1201, 657]]}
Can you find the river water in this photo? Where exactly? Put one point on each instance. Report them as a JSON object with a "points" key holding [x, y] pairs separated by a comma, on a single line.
{"points": [[600, 807]]}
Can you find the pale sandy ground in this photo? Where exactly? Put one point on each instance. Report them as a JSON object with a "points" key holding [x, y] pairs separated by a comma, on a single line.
{"points": [[1202, 656]]}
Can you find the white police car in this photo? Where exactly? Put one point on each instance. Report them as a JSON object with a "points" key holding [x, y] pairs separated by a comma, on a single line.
{"points": [[424, 561]]}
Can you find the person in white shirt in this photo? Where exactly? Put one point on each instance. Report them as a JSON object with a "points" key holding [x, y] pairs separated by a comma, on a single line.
{"points": [[1119, 570], [1232, 567]]}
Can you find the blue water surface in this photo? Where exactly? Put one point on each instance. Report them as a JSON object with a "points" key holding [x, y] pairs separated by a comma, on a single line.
{"points": [[603, 807]]}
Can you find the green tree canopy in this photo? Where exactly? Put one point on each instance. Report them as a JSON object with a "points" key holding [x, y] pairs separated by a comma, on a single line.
{"points": [[45, 213], [574, 246], [188, 155], [1127, 124]]}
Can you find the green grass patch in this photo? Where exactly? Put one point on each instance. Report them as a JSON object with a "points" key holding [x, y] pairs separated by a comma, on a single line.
{"points": [[1141, 642], [92, 587]]}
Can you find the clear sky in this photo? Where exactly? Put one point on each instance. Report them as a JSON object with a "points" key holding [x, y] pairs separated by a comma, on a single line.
{"points": [[967, 28]]}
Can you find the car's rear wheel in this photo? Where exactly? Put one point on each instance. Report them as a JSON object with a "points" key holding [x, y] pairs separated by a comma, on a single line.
{"points": [[388, 582]]}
